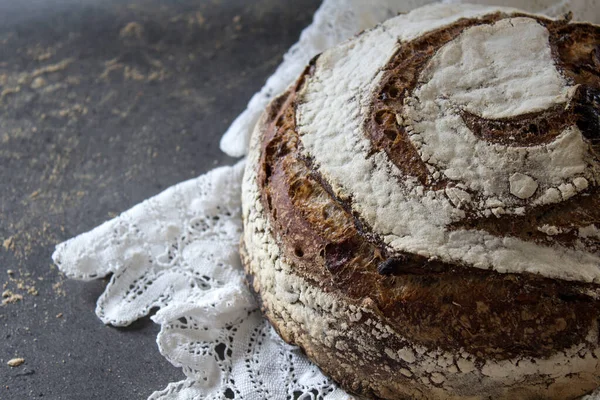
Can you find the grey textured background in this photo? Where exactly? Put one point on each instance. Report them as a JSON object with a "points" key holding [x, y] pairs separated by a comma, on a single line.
{"points": [[104, 103]]}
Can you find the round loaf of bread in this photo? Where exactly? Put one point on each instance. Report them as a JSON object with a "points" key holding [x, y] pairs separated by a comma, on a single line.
{"points": [[421, 208]]}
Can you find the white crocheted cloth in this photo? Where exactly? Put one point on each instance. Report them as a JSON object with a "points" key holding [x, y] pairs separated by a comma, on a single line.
{"points": [[178, 250]]}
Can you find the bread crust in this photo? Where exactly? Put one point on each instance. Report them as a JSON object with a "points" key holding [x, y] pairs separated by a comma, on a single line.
{"points": [[394, 325]]}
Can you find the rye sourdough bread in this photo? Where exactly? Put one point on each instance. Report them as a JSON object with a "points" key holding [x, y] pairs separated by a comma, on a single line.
{"points": [[421, 209]]}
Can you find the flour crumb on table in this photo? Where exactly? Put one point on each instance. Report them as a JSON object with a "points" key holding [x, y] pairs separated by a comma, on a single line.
{"points": [[15, 362]]}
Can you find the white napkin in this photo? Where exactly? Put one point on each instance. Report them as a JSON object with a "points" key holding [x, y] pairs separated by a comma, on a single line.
{"points": [[178, 250]]}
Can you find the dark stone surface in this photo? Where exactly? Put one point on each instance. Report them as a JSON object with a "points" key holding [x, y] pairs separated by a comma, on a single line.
{"points": [[95, 118]]}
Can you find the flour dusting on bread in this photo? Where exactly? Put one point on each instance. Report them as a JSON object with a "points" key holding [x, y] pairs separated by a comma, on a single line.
{"points": [[421, 211], [503, 82]]}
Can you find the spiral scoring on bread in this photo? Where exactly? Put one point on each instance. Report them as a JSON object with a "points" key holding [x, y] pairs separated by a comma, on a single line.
{"points": [[507, 123], [330, 133], [362, 236], [460, 129]]}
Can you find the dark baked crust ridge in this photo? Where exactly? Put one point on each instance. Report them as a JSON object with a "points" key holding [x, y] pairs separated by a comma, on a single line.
{"points": [[583, 208]]}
